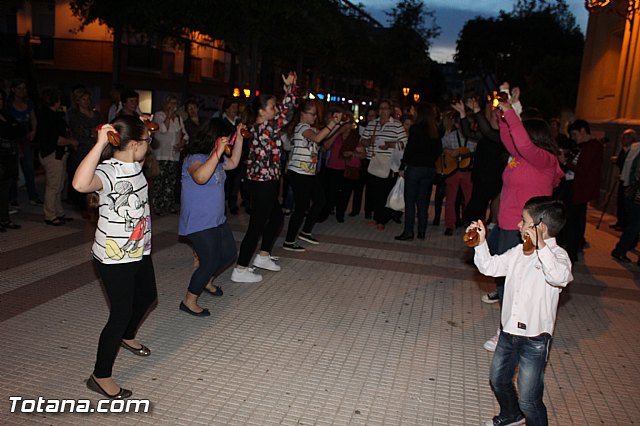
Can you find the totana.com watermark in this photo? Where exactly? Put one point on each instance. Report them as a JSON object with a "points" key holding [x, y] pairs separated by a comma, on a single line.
{"points": [[42, 405]]}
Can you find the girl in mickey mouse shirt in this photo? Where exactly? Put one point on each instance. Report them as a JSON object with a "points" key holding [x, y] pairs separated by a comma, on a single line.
{"points": [[122, 245]]}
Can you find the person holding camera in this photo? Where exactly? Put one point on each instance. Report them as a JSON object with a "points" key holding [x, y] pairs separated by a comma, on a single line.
{"points": [[167, 144]]}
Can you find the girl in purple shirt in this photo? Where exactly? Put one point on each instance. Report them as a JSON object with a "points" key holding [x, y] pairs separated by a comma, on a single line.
{"points": [[202, 218]]}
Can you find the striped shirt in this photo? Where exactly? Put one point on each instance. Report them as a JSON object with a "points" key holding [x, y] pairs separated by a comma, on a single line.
{"points": [[391, 131], [304, 153], [123, 233]]}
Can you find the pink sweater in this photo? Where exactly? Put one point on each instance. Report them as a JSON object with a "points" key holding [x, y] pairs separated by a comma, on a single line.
{"points": [[531, 171]]}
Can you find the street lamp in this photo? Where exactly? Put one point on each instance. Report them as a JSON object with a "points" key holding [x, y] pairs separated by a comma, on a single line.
{"points": [[416, 97], [405, 91]]}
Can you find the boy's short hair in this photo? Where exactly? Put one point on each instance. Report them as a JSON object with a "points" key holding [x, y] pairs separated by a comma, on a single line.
{"points": [[128, 94], [548, 210], [579, 125]]}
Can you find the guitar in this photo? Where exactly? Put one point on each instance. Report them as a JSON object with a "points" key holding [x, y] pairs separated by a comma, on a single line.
{"points": [[446, 164]]}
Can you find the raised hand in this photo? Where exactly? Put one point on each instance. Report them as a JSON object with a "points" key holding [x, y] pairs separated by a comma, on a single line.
{"points": [[473, 104], [290, 79], [459, 106], [515, 95]]}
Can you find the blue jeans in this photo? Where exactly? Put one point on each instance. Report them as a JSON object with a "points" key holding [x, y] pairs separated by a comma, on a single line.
{"points": [[530, 354], [216, 250], [418, 182], [26, 163]]}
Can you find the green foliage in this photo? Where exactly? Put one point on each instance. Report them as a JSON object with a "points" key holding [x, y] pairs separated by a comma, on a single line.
{"points": [[320, 37], [537, 46]]}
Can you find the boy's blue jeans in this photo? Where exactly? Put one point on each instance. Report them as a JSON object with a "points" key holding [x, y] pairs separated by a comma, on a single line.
{"points": [[530, 355]]}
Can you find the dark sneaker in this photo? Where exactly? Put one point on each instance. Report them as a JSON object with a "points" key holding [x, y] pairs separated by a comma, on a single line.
{"points": [[304, 236], [293, 247], [505, 421], [620, 257]]}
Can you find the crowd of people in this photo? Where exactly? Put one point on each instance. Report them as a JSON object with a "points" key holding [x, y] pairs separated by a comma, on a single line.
{"points": [[500, 168]]}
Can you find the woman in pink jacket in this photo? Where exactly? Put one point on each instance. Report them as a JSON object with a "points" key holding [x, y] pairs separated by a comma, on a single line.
{"points": [[532, 170]]}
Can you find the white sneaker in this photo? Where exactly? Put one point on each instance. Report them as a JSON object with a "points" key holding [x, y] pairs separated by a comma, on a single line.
{"points": [[266, 262], [491, 344], [491, 297], [245, 276]]}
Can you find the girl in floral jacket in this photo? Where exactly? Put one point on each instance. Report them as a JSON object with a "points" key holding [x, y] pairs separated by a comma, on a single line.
{"points": [[263, 181]]}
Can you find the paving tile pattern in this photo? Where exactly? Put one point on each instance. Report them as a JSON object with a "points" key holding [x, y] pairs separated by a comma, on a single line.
{"points": [[360, 330]]}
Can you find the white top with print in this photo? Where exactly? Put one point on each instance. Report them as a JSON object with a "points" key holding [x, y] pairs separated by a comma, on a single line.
{"points": [[124, 223], [304, 153]]}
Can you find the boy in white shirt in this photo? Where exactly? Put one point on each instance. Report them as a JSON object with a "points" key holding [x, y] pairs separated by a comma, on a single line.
{"points": [[532, 289]]}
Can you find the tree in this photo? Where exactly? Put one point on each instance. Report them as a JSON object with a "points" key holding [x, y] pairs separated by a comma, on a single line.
{"points": [[170, 19], [405, 56], [537, 46]]}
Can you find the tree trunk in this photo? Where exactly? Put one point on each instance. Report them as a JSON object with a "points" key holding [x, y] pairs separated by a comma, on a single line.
{"points": [[117, 54], [186, 69], [254, 58]]}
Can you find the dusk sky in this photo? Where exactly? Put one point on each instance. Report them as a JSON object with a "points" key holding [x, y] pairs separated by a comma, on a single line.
{"points": [[452, 14]]}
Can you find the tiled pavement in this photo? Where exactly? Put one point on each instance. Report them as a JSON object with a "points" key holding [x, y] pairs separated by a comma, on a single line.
{"points": [[360, 330]]}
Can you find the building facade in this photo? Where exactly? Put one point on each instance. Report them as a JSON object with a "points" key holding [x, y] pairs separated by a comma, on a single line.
{"points": [[609, 91]]}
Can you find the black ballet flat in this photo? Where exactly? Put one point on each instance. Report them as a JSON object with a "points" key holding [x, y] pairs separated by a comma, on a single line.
{"points": [[94, 386], [54, 222], [204, 313], [141, 351], [9, 225], [216, 293]]}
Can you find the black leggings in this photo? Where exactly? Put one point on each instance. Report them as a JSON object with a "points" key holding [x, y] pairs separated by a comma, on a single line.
{"points": [[131, 290], [308, 195], [216, 250], [266, 219]]}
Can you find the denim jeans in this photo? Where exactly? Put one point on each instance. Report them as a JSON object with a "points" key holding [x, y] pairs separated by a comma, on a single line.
{"points": [[417, 192], [530, 355], [216, 250]]}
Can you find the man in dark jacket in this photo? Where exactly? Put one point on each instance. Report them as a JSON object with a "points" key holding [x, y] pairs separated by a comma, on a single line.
{"points": [[585, 164]]}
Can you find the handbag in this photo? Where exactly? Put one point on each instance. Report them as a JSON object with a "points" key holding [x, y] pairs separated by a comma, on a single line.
{"points": [[380, 165], [395, 200], [8, 159]]}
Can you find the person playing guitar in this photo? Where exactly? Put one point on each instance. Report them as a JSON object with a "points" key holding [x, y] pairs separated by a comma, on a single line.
{"points": [[455, 163]]}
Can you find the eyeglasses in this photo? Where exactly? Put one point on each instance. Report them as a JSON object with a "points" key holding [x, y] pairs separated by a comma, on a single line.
{"points": [[312, 113], [147, 140]]}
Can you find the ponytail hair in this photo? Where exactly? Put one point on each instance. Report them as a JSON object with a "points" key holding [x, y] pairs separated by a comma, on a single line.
{"points": [[540, 134], [205, 138], [252, 109], [304, 106], [129, 128]]}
